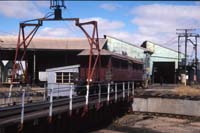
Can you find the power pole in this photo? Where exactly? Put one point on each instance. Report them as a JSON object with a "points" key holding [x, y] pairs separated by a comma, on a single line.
{"points": [[187, 34]]}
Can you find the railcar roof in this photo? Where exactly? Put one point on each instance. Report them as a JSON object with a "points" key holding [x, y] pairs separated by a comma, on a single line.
{"points": [[108, 53]]}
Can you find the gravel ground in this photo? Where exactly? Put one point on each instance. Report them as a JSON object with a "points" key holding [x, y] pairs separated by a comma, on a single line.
{"points": [[149, 124]]}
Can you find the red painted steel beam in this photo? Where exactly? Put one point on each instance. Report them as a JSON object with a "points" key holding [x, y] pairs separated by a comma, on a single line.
{"points": [[25, 44], [93, 40]]}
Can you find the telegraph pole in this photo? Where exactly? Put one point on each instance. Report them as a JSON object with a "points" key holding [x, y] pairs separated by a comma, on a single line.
{"points": [[187, 34]]}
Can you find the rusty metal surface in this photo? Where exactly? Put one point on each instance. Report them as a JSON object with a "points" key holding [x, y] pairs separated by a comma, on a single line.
{"points": [[106, 52], [40, 43]]}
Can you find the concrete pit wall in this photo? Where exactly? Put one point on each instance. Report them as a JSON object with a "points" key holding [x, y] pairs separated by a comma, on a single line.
{"points": [[170, 106]]}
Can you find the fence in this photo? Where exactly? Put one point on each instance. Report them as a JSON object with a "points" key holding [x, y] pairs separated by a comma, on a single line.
{"points": [[47, 99]]}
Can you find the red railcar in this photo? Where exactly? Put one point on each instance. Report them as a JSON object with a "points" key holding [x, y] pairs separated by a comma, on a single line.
{"points": [[113, 67]]}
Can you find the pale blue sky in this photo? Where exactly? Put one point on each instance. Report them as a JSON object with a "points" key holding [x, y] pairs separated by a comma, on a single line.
{"points": [[131, 21]]}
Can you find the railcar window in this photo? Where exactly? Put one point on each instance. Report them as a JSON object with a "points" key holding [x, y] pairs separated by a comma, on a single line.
{"points": [[140, 66], [137, 66], [104, 61], [124, 64], [115, 63], [129, 64], [134, 66]]}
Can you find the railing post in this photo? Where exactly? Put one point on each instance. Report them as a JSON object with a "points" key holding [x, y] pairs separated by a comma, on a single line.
{"points": [[10, 90], [123, 90], [99, 93], [133, 87], [50, 105], [87, 95], [10, 94], [108, 94], [128, 89], [22, 109], [86, 100], [2, 130], [44, 95], [70, 99], [28, 89], [115, 92], [58, 91]]}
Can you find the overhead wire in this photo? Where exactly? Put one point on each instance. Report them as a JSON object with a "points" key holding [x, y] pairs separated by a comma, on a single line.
{"points": [[70, 25], [170, 40]]}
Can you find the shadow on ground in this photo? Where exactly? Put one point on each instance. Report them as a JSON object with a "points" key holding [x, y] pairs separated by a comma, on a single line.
{"points": [[126, 129]]}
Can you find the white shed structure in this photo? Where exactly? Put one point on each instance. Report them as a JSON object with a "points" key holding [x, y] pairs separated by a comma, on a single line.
{"points": [[61, 79]]}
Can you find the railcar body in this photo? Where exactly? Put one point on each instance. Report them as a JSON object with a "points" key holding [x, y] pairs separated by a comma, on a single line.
{"points": [[113, 67]]}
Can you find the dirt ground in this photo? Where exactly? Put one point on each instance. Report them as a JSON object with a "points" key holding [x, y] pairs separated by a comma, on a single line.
{"points": [[149, 124]]}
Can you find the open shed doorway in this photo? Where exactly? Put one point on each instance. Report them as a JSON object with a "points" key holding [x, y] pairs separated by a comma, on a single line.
{"points": [[164, 71]]}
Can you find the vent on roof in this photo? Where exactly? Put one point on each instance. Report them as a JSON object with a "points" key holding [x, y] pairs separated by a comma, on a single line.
{"points": [[124, 53]]}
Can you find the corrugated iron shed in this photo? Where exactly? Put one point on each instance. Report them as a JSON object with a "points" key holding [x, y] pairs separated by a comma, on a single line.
{"points": [[9, 42], [119, 46]]}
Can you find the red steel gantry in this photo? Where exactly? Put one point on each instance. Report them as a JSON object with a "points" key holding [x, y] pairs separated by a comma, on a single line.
{"points": [[24, 40]]}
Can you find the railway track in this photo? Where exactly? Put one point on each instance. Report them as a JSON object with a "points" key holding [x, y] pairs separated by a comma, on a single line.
{"points": [[37, 106], [11, 114]]}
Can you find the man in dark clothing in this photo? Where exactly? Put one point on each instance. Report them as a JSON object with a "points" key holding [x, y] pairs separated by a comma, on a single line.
{"points": [[161, 80]]}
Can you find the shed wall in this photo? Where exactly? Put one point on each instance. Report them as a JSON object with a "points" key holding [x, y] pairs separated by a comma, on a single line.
{"points": [[162, 54], [60, 89], [118, 46]]}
